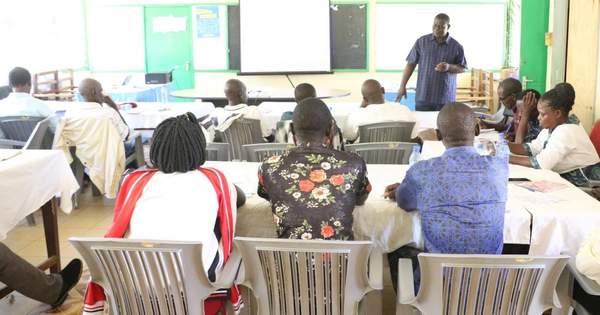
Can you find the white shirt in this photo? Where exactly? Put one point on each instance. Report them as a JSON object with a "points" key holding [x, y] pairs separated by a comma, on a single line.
{"points": [[588, 257], [23, 104], [377, 113], [249, 112], [179, 207], [568, 148]]}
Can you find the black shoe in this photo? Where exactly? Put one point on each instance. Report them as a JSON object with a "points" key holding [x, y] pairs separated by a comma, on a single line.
{"points": [[70, 276]]}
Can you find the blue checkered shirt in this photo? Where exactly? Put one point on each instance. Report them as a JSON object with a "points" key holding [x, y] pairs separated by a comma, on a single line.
{"points": [[461, 197], [436, 87]]}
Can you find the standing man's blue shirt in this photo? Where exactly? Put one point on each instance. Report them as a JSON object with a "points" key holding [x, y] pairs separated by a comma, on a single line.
{"points": [[432, 86], [461, 197]]}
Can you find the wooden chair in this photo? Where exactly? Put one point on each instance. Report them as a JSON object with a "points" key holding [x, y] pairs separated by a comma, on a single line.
{"points": [[152, 277], [386, 131], [308, 276], [54, 85], [383, 152], [258, 152], [480, 92], [242, 131], [480, 284]]}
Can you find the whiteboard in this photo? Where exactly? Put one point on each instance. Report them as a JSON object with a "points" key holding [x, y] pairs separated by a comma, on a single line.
{"points": [[116, 38], [479, 28], [285, 36], [210, 37]]}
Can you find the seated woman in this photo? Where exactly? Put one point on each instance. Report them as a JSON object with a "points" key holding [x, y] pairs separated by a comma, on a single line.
{"points": [[179, 200], [525, 126], [563, 145]]}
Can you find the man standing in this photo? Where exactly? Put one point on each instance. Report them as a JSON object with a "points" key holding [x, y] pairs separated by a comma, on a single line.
{"points": [[440, 57]]}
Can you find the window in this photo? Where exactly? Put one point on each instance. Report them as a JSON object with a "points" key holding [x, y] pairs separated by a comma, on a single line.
{"points": [[479, 27]]}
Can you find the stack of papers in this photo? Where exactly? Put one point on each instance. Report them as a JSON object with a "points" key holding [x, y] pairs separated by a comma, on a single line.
{"points": [[542, 186]]}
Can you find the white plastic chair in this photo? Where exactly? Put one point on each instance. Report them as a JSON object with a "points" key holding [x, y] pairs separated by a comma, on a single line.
{"points": [[308, 276], [152, 277], [481, 284]]}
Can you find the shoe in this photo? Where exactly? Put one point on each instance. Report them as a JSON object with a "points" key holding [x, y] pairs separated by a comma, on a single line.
{"points": [[70, 276]]}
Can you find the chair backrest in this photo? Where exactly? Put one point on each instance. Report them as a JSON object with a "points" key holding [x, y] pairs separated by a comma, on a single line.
{"points": [[242, 131], [383, 152], [147, 277], [4, 91], [217, 151], [18, 128], [41, 137], [488, 284], [258, 152], [305, 276], [386, 131]]}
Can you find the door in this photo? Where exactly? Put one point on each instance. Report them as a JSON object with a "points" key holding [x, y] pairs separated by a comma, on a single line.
{"points": [[582, 57], [168, 34], [534, 53]]}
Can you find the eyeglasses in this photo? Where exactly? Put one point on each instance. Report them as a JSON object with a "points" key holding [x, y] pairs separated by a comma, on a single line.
{"points": [[507, 96]]}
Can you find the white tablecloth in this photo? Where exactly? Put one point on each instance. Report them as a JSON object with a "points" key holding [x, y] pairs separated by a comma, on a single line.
{"points": [[147, 114], [28, 179], [379, 220]]}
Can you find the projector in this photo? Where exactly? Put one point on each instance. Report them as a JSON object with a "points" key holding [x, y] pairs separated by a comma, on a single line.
{"points": [[159, 77]]}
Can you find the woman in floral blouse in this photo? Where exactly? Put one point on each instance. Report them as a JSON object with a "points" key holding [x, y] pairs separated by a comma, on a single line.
{"points": [[313, 188]]}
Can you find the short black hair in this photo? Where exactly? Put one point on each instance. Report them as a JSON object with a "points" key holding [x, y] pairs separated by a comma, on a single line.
{"points": [[19, 77], [178, 145], [521, 95], [561, 97], [444, 17], [511, 86], [304, 91], [312, 120]]}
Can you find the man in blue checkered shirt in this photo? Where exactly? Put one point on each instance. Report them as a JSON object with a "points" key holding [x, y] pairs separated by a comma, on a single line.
{"points": [[440, 57]]}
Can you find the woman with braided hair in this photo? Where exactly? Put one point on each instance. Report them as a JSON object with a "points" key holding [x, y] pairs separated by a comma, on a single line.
{"points": [[178, 200]]}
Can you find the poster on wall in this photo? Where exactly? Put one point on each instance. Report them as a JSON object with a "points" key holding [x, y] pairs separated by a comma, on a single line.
{"points": [[210, 37], [207, 21]]}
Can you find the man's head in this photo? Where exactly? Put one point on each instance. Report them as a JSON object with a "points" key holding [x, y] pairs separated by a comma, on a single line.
{"points": [[441, 25], [533, 114], [372, 93], [178, 145], [235, 92], [304, 91], [312, 122], [456, 123], [508, 90], [91, 90], [19, 80]]}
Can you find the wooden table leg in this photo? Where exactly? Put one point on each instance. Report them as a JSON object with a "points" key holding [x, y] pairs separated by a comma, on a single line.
{"points": [[49, 210]]}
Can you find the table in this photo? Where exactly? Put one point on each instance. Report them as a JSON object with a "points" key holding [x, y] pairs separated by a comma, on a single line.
{"points": [[379, 220], [30, 180], [255, 96], [271, 114], [147, 115], [137, 93]]}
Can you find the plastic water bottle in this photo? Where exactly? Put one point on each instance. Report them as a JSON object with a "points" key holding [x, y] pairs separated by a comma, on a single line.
{"points": [[415, 156], [502, 149]]}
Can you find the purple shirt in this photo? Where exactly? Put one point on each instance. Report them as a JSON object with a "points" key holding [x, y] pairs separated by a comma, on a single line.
{"points": [[432, 86]]}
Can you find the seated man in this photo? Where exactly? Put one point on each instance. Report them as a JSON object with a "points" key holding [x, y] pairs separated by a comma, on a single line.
{"points": [[21, 103], [313, 188], [237, 97], [179, 200], [301, 92], [374, 109], [91, 91], [508, 90], [28, 280], [461, 195]]}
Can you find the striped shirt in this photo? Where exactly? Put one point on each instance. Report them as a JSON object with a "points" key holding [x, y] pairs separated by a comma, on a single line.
{"points": [[432, 86]]}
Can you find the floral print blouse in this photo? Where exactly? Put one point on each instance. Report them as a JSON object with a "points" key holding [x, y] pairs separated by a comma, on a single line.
{"points": [[313, 191]]}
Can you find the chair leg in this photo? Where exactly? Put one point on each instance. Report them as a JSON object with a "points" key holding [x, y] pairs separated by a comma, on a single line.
{"points": [[31, 220]]}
